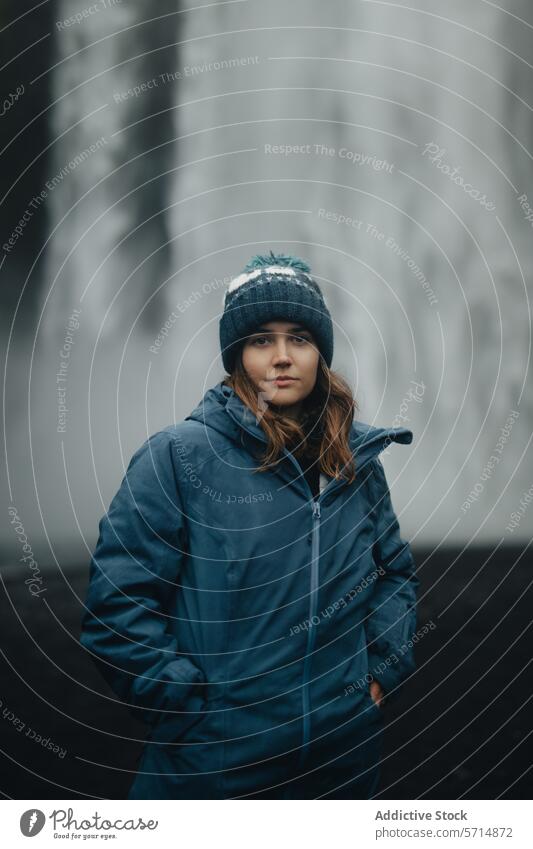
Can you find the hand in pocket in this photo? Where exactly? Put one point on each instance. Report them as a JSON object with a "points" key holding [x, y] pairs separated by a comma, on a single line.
{"points": [[376, 692]]}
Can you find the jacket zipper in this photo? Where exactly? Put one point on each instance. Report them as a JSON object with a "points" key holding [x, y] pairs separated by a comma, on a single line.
{"points": [[313, 594], [313, 604]]}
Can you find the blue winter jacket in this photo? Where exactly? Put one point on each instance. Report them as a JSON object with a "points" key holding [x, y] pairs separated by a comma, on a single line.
{"points": [[244, 618]]}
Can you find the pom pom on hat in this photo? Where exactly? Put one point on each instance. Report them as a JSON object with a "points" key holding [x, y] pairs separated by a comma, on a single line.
{"points": [[277, 259]]}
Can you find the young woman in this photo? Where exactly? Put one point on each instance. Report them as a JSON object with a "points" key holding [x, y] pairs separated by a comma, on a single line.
{"points": [[250, 595]]}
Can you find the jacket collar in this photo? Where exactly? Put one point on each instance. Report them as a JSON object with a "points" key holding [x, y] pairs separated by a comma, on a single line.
{"points": [[222, 409], [365, 440]]}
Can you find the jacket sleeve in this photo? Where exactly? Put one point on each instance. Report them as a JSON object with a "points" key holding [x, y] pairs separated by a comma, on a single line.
{"points": [[133, 568], [392, 617]]}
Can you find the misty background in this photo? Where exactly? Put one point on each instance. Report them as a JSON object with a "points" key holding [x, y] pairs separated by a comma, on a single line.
{"points": [[428, 285], [149, 150]]}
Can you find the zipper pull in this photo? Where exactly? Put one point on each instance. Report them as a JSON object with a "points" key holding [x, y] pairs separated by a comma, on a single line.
{"points": [[316, 509]]}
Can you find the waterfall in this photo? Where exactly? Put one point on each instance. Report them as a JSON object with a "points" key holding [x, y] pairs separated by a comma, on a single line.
{"points": [[388, 146]]}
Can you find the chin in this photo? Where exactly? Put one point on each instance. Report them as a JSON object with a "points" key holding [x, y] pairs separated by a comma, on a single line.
{"points": [[285, 396], [287, 403]]}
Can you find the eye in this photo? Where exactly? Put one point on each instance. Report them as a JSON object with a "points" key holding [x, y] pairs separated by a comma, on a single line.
{"points": [[256, 339], [301, 339]]}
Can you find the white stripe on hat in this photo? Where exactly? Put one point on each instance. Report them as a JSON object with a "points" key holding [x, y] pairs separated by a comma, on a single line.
{"points": [[283, 270]]}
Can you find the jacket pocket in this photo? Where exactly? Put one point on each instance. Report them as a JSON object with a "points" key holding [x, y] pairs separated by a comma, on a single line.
{"points": [[172, 726]]}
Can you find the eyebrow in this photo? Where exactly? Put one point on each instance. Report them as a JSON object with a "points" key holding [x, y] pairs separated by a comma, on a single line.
{"points": [[289, 330]]}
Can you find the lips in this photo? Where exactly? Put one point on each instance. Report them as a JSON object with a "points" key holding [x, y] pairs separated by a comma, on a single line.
{"points": [[284, 380]]}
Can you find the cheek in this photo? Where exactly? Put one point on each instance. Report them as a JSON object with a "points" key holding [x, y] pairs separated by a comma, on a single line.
{"points": [[254, 362], [308, 361], [308, 372], [249, 359]]}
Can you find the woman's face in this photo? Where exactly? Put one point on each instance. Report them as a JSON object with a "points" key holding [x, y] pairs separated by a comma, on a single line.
{"points": [[282, 349]]}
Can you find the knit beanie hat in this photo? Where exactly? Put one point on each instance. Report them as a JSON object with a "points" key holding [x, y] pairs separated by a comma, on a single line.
{"points": [[273, 287]]}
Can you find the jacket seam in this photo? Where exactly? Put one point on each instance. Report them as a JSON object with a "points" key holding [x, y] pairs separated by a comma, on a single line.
{"points": [[404, 622], [178, 443], [374, 485]]}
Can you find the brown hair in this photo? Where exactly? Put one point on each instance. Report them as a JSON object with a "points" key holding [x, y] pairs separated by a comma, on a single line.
{"points": [[324, 429]]}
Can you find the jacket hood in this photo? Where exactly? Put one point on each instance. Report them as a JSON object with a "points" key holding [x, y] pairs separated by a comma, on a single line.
{"points": [[222, 409]]}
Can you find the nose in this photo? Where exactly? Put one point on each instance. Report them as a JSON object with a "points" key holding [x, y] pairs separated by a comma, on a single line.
{"points": [[281, 352]]}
